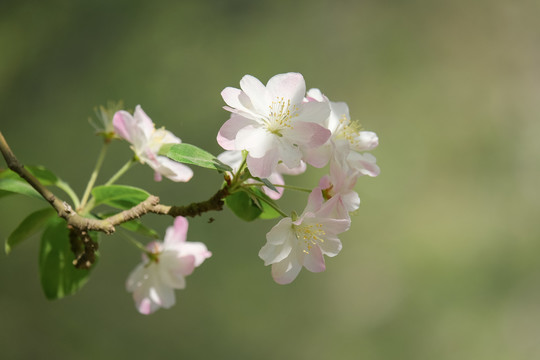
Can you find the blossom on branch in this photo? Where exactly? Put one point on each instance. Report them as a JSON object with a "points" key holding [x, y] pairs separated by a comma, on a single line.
{"points": [[163, 269], [303, 241], [140, 131], [272, 122]]}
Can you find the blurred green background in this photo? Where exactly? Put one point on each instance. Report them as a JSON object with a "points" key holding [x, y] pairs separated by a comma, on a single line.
{"points": [[442, 261]]}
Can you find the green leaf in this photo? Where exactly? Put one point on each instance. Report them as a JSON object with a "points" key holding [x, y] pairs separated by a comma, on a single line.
{"points": [[267, 183], [190, 154], [45, 176], [243, 206], [58, 276], [119, 196], [19, 186], [28, 227]]}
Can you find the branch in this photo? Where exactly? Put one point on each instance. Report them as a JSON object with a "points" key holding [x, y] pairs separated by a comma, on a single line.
{"points": [[75, 221]]}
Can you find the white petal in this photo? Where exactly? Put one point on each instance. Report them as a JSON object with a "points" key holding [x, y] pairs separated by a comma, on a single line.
{"points": [[263, 167], [227, 133], [285, 271], [256, 92], [171, 169], [196, 249], [274, 253], [314, 260], [281, 232], [290, 86], [256, 140]]}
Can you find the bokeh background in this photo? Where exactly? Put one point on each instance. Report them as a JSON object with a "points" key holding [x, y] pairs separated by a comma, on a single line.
{"points": [[443, 258]]}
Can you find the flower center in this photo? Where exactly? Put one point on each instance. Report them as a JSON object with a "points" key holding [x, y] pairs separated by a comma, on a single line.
{"points": [[349, 130], [279, 118], [311, 235]]}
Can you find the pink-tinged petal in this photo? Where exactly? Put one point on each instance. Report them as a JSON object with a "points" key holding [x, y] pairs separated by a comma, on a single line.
{"points": [[351, 200], [157, 176], [364, 163], [256, 140], [121, 121], [177, 233], [227, 134], [275, 179], [334, 208], [285, 271], [366, 140], [318, 157], [339, 115], [143, 121], [198, 250], [288, 153], [331, 246], [256, 92], [290, 86], [231, 97], [272, 254], [314, 260], [307, 134], [262, 167], [281, 232], [334, 226], [314, 112], [325, 183], [171, 169], [146, 307], [172, 269], [315, 201], [283, 169], [315, 95]]}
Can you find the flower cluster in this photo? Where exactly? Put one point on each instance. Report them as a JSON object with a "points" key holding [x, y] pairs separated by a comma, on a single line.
{"points": [[281, 126], [273, 130]]}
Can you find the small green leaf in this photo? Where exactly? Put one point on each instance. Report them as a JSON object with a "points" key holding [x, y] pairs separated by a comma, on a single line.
{"points": [[190, 154], [28, 227], [243, 206], [45, 176], [267, 183], [58, 276], [119, 196], [19, 186]]}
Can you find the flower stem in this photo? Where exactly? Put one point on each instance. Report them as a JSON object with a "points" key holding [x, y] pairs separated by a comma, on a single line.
{"points": [[291, 187], [120, 172], [90, 204], [68, 190], [269, 203], [94, 175]]}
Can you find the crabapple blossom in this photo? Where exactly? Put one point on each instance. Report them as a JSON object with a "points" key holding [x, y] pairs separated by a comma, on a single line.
{"points": [[163, 269], [302, 241], [272, 122], [140, 131], [347, 141], [337, 188]]}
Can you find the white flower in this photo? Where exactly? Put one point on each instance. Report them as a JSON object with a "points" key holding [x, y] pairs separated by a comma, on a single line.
{"points": [[153, 281], [347, 141], [294, 243], [337, 188], [146, 141], [272, 122]]}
